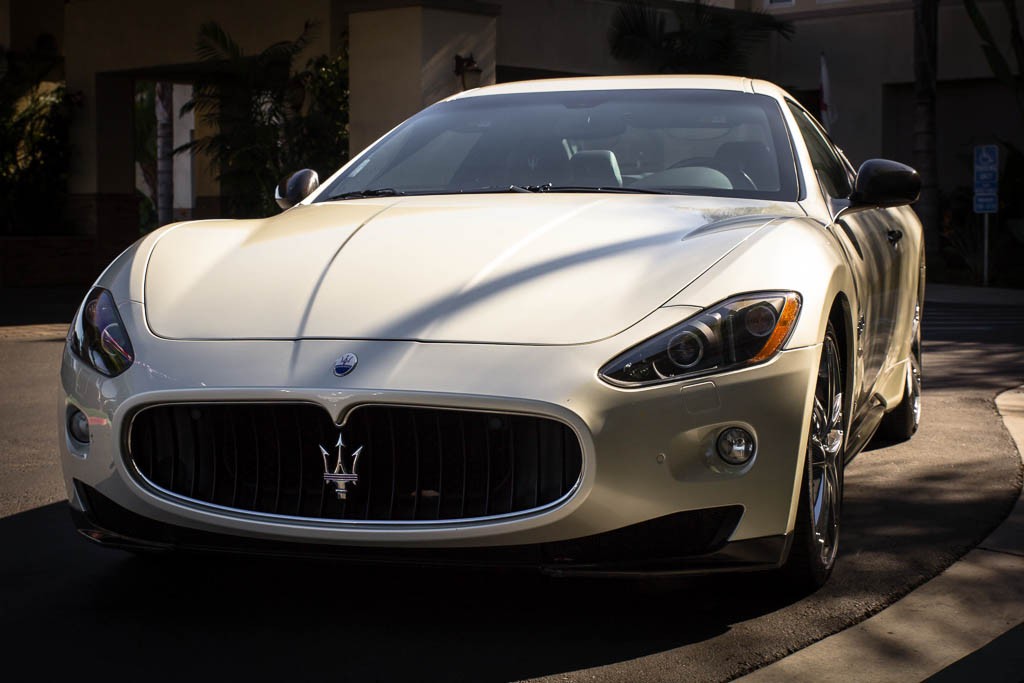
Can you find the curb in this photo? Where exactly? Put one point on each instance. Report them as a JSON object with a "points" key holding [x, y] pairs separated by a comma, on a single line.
{"points": [[947, 619]]}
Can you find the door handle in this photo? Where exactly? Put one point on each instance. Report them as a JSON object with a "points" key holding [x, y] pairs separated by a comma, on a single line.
{"points": [[894, 236]]}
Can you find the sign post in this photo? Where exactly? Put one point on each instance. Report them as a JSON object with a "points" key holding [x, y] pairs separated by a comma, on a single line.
{"points": [[986, 193]]}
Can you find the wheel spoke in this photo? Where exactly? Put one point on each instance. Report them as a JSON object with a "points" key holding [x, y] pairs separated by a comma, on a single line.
{"points": [[819, 500], [825, 449], [818, 453], [833, 485], [819, 433], [835, 420], [833, 376]]}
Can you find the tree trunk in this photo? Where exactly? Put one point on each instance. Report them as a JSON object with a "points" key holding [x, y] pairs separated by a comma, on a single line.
{"points": [[926, 14], [164, 153]]}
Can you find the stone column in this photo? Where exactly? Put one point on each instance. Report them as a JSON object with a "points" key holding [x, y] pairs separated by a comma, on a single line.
{"points": [[402, 60]]}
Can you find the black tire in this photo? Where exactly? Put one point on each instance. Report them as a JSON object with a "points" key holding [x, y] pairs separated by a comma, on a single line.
{"points": [[816, 533], [901, 424]]}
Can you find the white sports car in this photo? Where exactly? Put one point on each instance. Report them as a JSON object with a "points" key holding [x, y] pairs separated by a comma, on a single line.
{"points": [[606, 326]]}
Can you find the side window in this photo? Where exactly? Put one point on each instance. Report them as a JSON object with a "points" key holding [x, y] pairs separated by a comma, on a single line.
{"points": [[827, 165]]}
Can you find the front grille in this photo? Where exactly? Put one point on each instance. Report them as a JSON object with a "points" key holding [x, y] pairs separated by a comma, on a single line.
{"points": [[415, 464]]}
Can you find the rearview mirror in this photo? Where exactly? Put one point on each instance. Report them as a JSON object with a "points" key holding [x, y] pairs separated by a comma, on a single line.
{"points": [[881, 182], [296, 187]]}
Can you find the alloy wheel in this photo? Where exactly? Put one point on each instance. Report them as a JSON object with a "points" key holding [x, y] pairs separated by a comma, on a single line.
{"points": [[825, 452]]}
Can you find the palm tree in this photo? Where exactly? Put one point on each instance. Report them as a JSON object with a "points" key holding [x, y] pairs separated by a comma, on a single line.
{"points": [[706, 39], [998, 62], [34, 150], [250, 102]]}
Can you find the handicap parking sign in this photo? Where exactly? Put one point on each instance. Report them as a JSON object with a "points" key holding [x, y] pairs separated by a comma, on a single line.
{"points": [[986, 157], [986, 179], [986, 203]]}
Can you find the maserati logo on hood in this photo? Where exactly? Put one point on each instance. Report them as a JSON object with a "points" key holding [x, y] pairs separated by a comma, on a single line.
{"points": [[345, 364], [344, 471]]}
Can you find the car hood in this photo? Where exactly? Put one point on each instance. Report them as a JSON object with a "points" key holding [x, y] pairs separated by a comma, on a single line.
{"points": [[510, 269]]}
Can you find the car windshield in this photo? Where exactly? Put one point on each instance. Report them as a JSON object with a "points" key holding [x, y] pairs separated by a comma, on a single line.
{"points": [[701, 142]]}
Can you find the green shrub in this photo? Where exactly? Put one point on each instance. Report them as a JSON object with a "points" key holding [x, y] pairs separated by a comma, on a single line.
{"points": [[35, 116]]}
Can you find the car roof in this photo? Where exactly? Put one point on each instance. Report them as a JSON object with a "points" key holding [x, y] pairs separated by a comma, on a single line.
{"points": [[651, 82]]}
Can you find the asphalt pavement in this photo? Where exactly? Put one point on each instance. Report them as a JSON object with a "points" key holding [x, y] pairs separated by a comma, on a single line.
{"points": [[68, 608]]}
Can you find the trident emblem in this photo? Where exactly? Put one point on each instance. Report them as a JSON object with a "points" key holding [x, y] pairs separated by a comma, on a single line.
{"points": [[340, 476]]}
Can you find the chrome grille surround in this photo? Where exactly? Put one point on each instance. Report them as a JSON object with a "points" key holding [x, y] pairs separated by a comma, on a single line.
{"points": [[190, 453]]}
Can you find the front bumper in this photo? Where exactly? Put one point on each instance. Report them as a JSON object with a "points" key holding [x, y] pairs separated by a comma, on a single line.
{"points": [[648, 454], [684, 543]]}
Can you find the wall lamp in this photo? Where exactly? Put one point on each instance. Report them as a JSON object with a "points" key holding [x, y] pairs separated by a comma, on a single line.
{"points": [[468, 71]]}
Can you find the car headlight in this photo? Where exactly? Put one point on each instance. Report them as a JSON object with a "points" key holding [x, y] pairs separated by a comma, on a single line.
{"points": [[741, 331], [98, 335]]}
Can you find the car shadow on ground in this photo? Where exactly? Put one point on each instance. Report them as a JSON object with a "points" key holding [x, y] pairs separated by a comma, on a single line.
{"points": [[65, 601], [68, 607]]}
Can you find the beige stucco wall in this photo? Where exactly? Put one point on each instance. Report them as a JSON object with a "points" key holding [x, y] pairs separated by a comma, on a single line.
{"points": [[402, 60], [121, 35], [446, 34], [558, 35], [384, 71]]}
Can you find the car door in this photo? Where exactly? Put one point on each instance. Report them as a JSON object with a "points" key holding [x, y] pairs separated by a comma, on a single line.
{"points": [[871, 247]]}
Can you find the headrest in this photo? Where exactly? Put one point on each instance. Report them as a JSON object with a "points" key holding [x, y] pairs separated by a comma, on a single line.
{"points": [[596, 168], [537, 164]]}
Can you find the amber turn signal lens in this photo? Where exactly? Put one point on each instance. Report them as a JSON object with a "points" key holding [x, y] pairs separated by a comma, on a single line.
{"points": [[786, 321]]}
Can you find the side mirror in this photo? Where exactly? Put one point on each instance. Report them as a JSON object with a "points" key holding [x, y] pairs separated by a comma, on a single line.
{"points": [[884, 183], [296, 187]]}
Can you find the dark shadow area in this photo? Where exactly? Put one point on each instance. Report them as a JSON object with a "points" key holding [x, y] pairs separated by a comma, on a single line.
{"points": [[1001, 661], [261, 619], [910, 510], [200, 616], [40, 305]]}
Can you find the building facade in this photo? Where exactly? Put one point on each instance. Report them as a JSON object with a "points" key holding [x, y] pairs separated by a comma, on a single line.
{"points": [[402, 55]]}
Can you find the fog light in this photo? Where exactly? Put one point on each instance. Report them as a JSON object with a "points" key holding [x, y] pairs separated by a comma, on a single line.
{"points": [[78, 426], [736, 446]]}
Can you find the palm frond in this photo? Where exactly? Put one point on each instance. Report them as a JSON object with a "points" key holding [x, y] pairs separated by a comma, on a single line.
{"points": [[637, 33], [215, 45], [287, 50]]}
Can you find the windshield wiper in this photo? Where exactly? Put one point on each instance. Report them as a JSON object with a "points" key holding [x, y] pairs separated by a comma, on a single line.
{"points": [[498, 189], [583, 188], [361, 194], [548, 187]]}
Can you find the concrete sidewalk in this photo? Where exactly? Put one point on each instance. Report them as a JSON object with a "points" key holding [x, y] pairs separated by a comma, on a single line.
{"points": [[967, 623]]}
